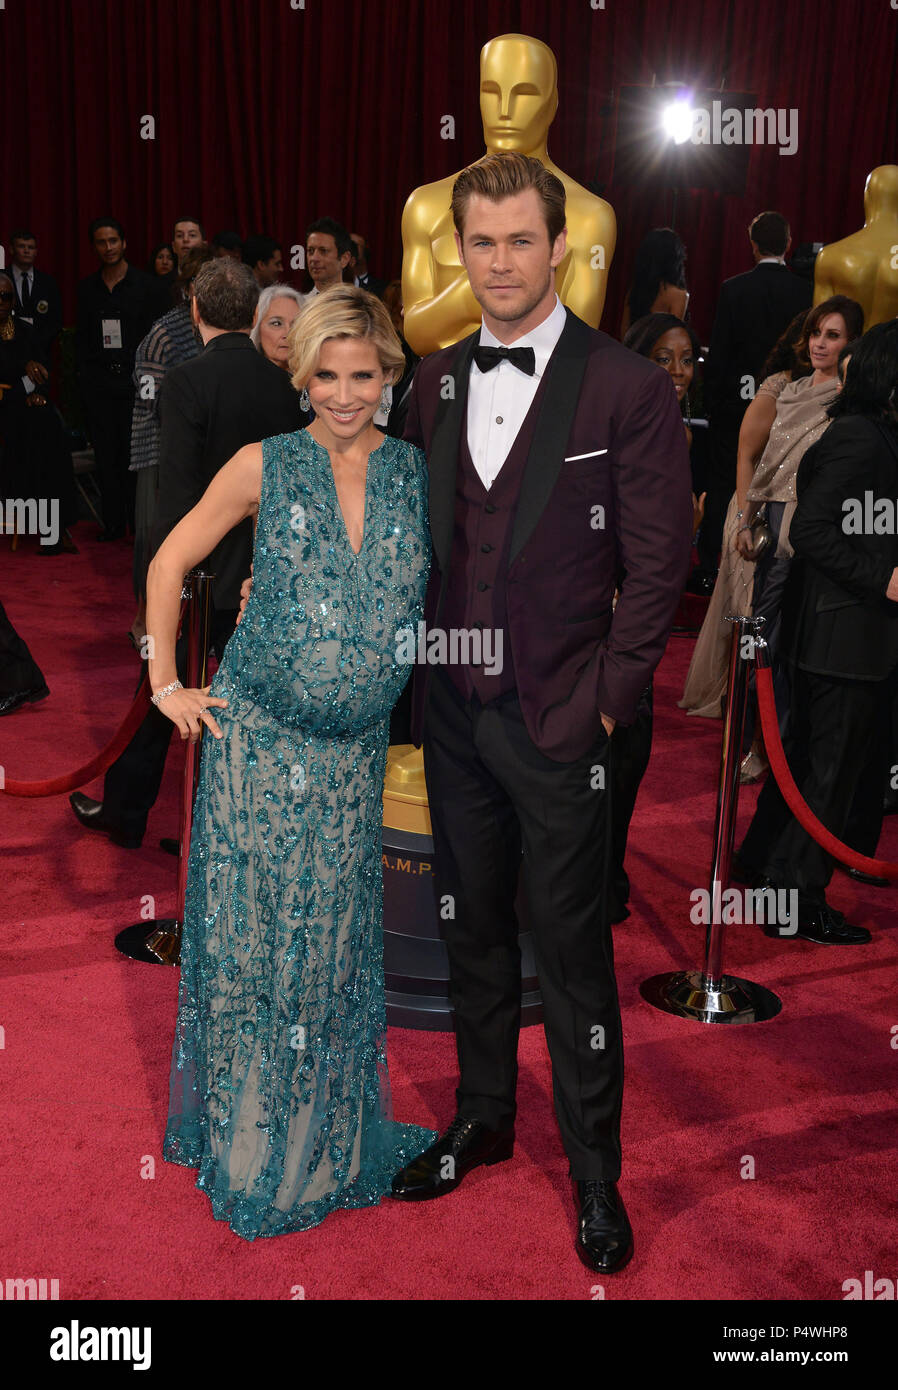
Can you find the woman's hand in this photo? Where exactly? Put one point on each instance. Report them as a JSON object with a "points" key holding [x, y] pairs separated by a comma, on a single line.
{"points": [[189, 708], [742, 542]]}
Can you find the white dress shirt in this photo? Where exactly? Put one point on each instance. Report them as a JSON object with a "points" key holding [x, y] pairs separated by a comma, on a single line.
{"points": [[498, 400]]}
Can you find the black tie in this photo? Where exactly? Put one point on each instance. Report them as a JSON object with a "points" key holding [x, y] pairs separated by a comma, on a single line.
{"points": [[26, 294], [524, 358]]}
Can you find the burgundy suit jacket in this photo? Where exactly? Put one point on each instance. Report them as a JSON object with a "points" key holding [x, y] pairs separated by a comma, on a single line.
{"points": [[606, 492]]}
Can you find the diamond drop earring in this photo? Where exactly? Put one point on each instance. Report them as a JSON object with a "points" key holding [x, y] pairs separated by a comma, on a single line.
{"points": [[304, 402], [386, 400]]}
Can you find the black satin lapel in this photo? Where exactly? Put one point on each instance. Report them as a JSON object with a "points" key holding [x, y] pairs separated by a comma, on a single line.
{"points": [[553, 426], [442, 456]]}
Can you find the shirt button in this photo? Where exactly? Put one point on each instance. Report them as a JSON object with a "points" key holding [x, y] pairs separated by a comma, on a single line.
{"points": [[488, 507], [486, 549], [499, 420], [481, 586]]}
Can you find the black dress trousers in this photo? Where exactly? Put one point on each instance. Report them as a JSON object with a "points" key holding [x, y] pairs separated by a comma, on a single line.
{"points": [[494, 797], [132, 782], [723, 443], [109, 422], [632, 745], [834, 748], [18, 669]]}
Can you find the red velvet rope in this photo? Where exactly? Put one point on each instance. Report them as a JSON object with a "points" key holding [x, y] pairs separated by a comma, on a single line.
{"points": [[69, 781], [880, 868]]}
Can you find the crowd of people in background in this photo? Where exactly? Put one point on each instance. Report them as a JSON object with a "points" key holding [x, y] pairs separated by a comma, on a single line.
{"points": [[757, 401], [131, 324]]}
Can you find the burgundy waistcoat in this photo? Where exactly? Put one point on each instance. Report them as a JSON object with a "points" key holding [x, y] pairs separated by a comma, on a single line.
{"points": [[478, 567]]}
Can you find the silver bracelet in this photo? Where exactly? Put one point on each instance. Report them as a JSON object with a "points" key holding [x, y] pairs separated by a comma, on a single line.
{"points": [[166, 690]]}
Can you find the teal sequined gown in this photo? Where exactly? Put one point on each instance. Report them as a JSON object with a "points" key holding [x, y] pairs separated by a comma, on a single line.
{"points": [[280, 1093]]}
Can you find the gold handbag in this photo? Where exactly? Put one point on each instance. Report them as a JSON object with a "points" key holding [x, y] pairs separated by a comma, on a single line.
{"points": [[760, 533]]}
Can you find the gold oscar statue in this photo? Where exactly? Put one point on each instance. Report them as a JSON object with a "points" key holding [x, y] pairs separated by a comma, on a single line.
{"points": [[865, 265], [518, 101]]}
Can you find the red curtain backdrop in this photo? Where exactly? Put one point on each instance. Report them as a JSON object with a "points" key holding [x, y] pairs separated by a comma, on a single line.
{"points": [[267, 116]]}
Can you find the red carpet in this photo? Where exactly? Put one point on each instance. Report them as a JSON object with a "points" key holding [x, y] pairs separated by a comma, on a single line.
{"points": [[808, 1097]]}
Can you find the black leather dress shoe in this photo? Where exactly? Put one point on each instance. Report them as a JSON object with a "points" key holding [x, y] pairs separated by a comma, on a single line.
{"points": [[90, 814], [22, 697], [466, 1144], [872, 879], [700, 582], [604, 1236], [821, 923]]}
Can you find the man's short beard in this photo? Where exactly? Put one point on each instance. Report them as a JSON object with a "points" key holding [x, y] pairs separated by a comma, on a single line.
{"points": [[509, 315]]}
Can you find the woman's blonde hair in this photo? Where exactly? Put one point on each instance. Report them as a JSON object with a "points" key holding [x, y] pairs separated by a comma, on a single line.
{"points": [[343, 311]]}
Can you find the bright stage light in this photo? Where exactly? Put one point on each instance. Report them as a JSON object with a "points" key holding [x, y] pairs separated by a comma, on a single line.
{"points": [[676, 121]]}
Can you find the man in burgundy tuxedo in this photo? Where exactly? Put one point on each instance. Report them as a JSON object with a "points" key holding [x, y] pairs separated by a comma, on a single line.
{"points": [[558, 473]]}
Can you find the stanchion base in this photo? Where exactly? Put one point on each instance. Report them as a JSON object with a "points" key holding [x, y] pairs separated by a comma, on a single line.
{"points": [[685, 993], [156, 943]]}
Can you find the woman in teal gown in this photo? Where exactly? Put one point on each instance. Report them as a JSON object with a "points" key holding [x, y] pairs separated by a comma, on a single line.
{"points": [[280, 1092]]}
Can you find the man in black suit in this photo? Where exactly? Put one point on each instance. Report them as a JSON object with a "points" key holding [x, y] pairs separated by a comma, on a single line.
{"points": [[840, 621], [229, 396], [117, 307], [328, 253], [752, 311], [556, 458], [361, 274], [38, 300]]}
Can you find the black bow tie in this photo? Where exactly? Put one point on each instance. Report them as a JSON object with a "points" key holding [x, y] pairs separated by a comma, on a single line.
{"points": [[524, 358]]}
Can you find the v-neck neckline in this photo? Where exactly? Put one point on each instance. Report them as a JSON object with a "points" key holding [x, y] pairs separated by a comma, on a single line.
{"points": [[333, 483]]}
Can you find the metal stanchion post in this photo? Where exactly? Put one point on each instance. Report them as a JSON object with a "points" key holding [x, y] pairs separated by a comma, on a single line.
{"points": [[159, 941], [708, 995]]}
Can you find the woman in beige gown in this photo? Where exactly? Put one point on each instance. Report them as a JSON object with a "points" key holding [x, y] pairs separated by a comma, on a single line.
{"points": [[706, 680], [787, 415]]}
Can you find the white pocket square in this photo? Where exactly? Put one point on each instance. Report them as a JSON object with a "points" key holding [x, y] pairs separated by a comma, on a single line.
{"points": [[572, 458]]}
